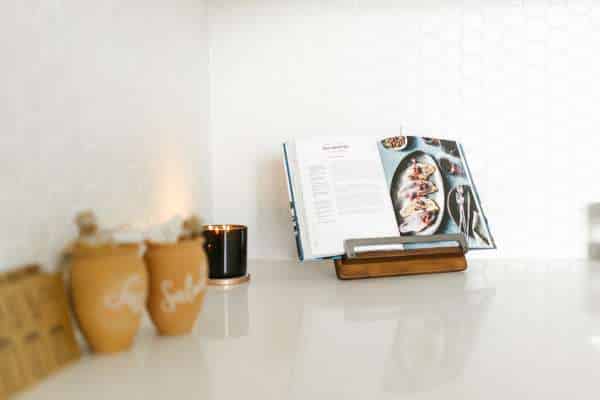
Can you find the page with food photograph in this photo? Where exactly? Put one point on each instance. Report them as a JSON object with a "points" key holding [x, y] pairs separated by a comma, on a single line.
{"points": [[432, 190]]}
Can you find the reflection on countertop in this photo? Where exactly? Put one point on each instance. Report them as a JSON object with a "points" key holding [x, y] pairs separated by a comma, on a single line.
{"points": [[502, 329], [226, 313], [431, 347], [416, 337]]}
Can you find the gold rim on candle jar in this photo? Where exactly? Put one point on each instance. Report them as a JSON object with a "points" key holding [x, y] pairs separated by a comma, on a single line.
{"points": [[224, 228], [229, 281]]}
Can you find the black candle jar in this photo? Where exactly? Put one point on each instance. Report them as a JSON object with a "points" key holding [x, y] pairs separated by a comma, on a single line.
{"points": [[227, 248]]}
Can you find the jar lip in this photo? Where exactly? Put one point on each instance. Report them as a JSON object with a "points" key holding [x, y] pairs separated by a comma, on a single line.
{"points": [[85, 250], [180, 242], [224, 227]]}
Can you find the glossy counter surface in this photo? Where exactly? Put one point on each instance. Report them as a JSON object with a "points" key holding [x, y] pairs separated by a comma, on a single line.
{"points": [[501, 330]]}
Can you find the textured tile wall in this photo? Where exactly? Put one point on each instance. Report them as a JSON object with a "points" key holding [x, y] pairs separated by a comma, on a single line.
{"points": [[516, 81]]}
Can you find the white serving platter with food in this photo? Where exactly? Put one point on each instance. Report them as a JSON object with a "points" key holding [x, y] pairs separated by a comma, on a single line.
{"points": [[418, 194]]}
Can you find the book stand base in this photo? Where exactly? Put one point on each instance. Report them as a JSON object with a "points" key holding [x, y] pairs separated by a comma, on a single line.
{"points": [[408, 261]]}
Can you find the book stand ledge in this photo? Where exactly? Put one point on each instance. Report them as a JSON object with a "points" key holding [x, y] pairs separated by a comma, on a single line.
{"points": [[381, 257]]}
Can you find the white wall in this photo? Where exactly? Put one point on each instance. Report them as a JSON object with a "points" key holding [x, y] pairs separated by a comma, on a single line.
{"points": [[103, 105], [515, 81]]}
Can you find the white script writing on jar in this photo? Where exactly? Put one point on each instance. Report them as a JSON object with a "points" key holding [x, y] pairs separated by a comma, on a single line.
{"points": [[132, 294], [186, 295]]}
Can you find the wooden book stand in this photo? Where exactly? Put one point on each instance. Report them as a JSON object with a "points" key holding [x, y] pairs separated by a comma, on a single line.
{"points": [[374, 258]]}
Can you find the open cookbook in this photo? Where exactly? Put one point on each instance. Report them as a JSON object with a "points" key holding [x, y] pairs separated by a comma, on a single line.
{"points": [[357, 188]]}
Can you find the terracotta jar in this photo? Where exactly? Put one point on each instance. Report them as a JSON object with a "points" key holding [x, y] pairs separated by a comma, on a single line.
{"points": [[110, 287], [178, 274]]}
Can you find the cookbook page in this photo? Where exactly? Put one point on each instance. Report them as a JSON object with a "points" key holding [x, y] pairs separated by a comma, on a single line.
{"points": [[432, 190], [344, 191]]}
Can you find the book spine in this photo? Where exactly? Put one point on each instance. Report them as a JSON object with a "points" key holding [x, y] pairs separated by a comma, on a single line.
{"points": [[293, 211]]}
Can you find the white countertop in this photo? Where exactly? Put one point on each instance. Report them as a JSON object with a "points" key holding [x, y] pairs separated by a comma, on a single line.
{"points": [[501, 330]]}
